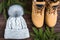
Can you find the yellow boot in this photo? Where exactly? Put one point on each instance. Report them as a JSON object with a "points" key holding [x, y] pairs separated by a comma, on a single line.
{"points": [[51, 14], [38, 13]]}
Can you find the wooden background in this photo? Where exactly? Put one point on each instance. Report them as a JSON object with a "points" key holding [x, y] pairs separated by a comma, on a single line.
{"points": [[28, 20]]}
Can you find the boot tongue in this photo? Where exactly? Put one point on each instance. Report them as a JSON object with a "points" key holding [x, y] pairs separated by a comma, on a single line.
{"points": [[39, 5], [40, 0], [54, 0], [55, 6]]}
